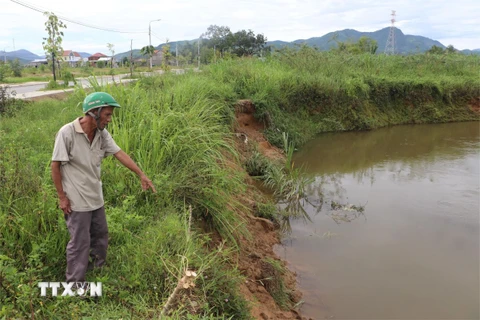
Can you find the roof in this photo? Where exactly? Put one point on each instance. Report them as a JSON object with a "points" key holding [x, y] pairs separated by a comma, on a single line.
{"points": [[66, 53], [104, 59], [98, 54]]}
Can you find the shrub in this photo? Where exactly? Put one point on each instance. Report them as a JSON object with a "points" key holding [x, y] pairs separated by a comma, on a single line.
{"points": [[52, 85], [16, 68], [8, 103], [4, 70]]}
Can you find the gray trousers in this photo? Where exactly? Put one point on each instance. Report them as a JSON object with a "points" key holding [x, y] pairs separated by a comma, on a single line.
{"points": [[88, 238]]}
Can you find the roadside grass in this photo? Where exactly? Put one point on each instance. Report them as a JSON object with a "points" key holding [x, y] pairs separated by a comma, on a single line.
{"points": [[18, 80], [43, 74]]}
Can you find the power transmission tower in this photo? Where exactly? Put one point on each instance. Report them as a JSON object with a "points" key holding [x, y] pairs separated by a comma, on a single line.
{"points": [[390, 46]]}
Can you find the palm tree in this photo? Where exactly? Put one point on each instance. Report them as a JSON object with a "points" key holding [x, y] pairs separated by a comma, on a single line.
{"points": [[148, 50]]}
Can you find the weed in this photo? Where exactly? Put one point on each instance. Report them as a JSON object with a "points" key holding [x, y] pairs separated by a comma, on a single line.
{"points": [[272, 277], [8, 104]]}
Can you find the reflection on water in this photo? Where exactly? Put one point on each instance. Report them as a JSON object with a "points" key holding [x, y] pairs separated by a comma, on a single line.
{"points": [[414, 252]]}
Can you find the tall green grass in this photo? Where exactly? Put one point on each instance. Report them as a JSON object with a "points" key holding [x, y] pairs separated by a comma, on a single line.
{"points": [[306, 92], [179, 135], [178, 129]]}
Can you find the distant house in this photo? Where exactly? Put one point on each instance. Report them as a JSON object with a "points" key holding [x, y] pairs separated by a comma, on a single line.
{"points": [[107, 60], [35, 63], [93, 59], [96, 56], [71, 57], [140, 61], [157, 57]]}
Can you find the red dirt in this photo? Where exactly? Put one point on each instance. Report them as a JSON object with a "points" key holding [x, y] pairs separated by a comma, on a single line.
{"points": [[475, 105], [249, 130], [251, 261]]}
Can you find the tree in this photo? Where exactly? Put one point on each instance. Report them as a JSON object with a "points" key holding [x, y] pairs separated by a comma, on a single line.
{"points": [[112, 51], [218, 37], [435, 50], [16, 67], [363, 45], [166, 56], [246, 43], [450, 49], [148, 51], [53, 44], [367, 45], [4, 70]]}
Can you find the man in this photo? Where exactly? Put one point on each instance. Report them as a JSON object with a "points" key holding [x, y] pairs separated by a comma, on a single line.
{"points": [[79, 149]]}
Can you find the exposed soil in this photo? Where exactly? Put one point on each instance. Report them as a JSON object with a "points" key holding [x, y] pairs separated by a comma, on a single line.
{"points": [[265, 235], [249, 130], [475, 105]]}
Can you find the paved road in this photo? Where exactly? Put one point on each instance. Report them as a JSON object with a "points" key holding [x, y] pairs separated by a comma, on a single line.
{"points": [[36, 86], [32, 89]]}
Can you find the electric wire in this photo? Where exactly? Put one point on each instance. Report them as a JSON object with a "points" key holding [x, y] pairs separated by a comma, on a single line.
{"points": [[27, 5]]}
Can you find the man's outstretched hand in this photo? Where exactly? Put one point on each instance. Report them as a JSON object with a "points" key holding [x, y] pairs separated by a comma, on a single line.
{"points": [[147, 183]]}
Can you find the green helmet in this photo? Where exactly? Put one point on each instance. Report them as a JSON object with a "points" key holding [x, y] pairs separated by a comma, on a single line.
{"points": [[97, 100]]}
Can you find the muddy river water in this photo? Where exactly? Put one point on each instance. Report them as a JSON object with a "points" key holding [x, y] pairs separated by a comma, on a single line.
{"points": [[413, 253]]}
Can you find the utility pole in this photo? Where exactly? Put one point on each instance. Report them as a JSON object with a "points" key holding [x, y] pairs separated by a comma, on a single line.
{"points": [[176, 53], [198, 52], [131, 59], [390, 46], [150, 38], [5, 55]]}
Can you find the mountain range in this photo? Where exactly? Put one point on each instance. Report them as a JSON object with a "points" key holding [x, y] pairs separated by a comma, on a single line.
{"points": [[404, 44], [26, 56]]}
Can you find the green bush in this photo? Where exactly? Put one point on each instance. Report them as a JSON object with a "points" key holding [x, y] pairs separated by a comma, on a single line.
{"points": [[4, 71], [52, 85], [16, 68]]}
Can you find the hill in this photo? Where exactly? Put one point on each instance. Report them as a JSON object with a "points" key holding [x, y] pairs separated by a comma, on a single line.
{"points": [[404, 44], [84, 54], [136, 52], [23, 55], [468, 51]]}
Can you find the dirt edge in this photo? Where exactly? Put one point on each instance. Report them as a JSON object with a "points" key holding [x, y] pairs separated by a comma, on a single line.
{"points": [[248, 132]]}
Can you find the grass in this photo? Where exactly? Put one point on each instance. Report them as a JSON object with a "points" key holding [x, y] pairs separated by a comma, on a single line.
{"points": [[307, 92], [15, 80], [183, 146], [44, 74], [178, 129], [272, 271]]}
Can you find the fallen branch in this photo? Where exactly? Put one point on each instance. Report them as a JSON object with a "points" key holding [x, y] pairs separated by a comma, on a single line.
{"points": [[185, 282]]}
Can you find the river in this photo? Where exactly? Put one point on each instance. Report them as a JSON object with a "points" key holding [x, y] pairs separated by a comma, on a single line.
{"points": [[413, 253]]}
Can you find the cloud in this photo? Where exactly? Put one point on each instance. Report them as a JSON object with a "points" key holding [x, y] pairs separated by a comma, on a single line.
{"points": [[286, 20]]}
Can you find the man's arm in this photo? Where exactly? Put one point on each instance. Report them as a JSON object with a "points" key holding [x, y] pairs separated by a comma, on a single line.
{"points": [[130, 164], [57, 180]]}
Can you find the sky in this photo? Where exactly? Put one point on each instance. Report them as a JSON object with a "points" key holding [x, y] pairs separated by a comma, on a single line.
{"points": [[450, 22]]}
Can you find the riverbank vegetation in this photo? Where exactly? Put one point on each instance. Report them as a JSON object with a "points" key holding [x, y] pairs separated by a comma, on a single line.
{"points": [[306, 92], [179, 130]]}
